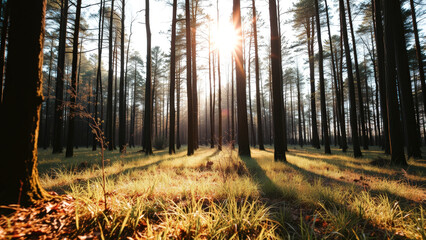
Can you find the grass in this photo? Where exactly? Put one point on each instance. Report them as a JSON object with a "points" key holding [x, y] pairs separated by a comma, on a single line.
{"points": [[217, 195]]}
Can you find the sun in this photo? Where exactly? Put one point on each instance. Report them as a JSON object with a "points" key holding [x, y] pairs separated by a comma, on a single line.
{"points": [[225, 38]]}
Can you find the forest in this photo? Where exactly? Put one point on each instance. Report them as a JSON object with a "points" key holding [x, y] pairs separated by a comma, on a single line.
{"points": [[198, 119]]}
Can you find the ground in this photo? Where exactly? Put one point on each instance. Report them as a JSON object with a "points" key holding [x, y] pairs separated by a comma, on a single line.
{"points": [[217, 195]]}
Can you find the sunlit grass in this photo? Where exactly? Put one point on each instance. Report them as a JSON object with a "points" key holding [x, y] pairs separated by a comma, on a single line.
{"points": [[219, 195]]}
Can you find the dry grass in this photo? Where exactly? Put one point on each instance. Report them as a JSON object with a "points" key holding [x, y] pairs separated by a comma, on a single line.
{"points": [[217, 195]]}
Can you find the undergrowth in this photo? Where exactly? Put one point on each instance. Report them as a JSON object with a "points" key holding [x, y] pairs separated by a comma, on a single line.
{"points": [[217, 195]]}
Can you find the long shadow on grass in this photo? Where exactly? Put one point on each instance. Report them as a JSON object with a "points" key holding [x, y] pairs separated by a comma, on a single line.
{"points": [[63, 188], [268, 187], [405, 203], [411, 169]]}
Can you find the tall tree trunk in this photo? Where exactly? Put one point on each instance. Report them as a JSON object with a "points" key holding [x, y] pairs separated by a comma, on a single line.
{"points": [[73, 103], [310, 34], [358, 81], [418, 52], [59, 93], [3, 45], [122, 98], [19, 182], [47, 128], [256, 62], [178, 109], [299, 105], [343, 143], [322, 85], [219, 144], [189, 81], [211, 95], [243, 139], [352, 108], [109, 119], [173, 82], [396, 139], [253, 134], [147, 125], [194, 72], [133, 114], [404, 80], [232, 105], [277, 88], [113, 144], [378, 31], [99, 70]]}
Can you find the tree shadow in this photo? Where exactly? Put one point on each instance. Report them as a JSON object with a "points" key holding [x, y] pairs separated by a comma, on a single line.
{"points": [[411, 169], [267, 186], [273, 191]]}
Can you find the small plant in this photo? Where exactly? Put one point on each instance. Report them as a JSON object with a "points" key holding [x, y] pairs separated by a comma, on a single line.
{"points": [[96, 126]]}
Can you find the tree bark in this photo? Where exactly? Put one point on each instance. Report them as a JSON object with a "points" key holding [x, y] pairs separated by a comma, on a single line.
{"points": [[122, 98], [243, 139], [378, 31], [147, 125], [173, 82], [3, 45], [310, 34], [418, 52], [19, 182], [322, 85], [73, 103], [352, 108], [277, 88], [109, 118], [194, 71], [358, 81], [404, 79], [219, 144], [256, 62], [59, 93], [189, 81], [396, 139]]}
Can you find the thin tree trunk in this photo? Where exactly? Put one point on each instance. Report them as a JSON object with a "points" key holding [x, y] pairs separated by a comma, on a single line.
{"points": [[358, 81], [59, 93], [122, 97], [322, 85], [310, 34], [352, 109], [219, 144], [73, 103], [3, 45], [109, 119], [147, 125], [257, 69], [189, 81], [418, 53], [377, 6], [173, 82]]}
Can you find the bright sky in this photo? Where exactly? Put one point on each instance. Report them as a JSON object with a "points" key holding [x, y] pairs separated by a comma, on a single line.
{"points": [[161, 13]]}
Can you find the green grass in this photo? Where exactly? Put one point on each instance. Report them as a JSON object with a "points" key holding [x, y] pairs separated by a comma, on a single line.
{"points": [[217, 195]]}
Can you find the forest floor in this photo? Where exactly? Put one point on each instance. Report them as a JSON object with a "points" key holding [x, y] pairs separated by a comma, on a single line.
{"points": [[217, 195]]}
